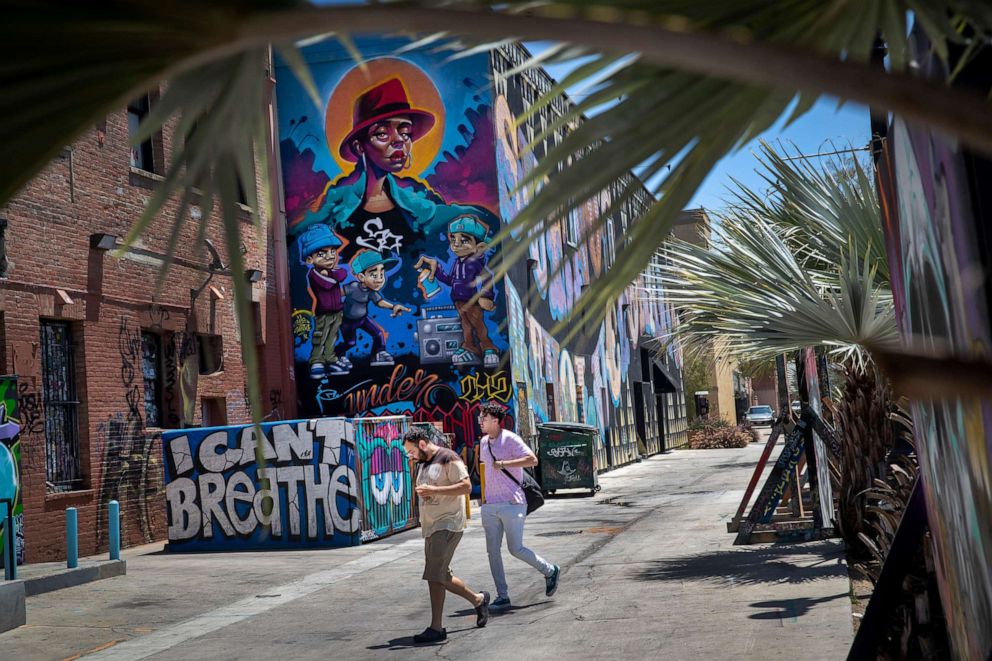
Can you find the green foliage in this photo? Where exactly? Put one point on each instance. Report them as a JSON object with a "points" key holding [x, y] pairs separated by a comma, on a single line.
{"points": [[800, 268]]}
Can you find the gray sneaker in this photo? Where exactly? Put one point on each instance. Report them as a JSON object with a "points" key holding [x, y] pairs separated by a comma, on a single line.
{"points": [[383, 359], [501, 605], [551, 582]]}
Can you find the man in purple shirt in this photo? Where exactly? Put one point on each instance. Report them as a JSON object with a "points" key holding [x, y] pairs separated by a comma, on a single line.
{"points": [[505, 506], [467, 277], [319, 248]]}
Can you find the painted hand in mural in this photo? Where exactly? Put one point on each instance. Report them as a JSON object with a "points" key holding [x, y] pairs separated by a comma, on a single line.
{"points": [[398, 309], [431, 264], [487, 304]]}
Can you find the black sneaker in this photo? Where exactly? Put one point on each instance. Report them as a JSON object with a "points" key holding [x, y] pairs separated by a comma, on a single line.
{"points": [[551, 582], [482, 611], [431, 636]]}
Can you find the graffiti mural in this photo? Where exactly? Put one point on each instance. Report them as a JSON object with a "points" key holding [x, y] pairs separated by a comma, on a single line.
{"points": [[128, 467], [392, 203], [307, 494], [940, 267], [588, 377], [387, 496], [11, 426]]}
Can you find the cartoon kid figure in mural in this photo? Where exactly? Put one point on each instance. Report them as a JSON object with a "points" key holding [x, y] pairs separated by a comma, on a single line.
{"points": [[369, 268], [471, 287], [319, 251]]}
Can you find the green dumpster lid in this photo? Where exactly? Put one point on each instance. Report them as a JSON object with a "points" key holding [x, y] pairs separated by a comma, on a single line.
{"points": [[569, 426]]}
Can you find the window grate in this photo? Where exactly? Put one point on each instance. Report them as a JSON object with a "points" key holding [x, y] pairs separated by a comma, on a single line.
{"points": [[59, 390], [151, 362]]}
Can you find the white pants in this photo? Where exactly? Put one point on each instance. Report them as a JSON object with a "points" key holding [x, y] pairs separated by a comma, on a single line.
{"points": [[509, 517]]}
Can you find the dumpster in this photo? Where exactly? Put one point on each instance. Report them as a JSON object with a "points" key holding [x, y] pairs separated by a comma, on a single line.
{"points": [[567, 456]]}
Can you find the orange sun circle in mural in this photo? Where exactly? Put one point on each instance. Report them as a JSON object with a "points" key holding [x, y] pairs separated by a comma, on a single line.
{"points": [[371, 92]]}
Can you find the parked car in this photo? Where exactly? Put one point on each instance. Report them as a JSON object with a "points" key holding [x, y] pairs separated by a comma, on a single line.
{"points": [[760, 415]]}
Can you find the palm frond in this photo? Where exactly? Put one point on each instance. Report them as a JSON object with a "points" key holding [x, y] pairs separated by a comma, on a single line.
{"points": [[757, 292]]}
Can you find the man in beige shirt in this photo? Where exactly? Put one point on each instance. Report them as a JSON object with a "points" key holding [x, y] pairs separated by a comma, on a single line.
{"points": [[442, 481]]}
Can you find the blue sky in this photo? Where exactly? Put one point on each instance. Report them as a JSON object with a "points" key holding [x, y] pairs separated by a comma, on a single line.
{"points": [[826, 127]]}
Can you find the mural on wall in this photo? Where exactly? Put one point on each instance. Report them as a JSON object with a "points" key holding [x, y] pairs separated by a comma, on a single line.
{"points": [[307, 495], [589, 379], [10, 466], [391, 204], [387, 493], [939, 285]]}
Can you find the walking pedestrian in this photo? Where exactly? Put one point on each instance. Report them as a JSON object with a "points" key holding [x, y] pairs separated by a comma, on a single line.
{"points": [[442, 481], [505, 454]]}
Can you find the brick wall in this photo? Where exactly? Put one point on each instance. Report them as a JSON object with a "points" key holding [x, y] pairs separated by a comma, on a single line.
{"points": [[54, 274]]}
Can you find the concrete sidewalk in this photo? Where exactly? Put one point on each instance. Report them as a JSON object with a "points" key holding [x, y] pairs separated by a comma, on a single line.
{"points": [[648, 571]]}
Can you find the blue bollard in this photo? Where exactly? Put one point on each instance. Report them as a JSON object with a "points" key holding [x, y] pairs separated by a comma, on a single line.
{"points": [[10, 555], [114, 522], [71, 538]]}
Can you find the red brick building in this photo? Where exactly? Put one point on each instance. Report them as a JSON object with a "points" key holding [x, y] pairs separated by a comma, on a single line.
{"points": [[102, 362]]}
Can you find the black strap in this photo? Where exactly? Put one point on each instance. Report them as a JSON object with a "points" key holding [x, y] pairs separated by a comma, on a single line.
{"points": [[489, 446]]}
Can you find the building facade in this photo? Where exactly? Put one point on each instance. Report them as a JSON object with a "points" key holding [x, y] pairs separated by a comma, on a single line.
{"points": [[95, 361]]}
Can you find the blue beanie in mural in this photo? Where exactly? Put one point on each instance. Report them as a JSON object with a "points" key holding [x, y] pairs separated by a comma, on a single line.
{"points": [[315, 238], [470, 225]]}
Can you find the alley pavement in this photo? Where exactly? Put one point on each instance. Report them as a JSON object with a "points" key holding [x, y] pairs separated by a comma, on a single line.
{"points": [[648, 571]]}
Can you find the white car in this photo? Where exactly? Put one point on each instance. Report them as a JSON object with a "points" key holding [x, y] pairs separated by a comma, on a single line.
{"points": [[760, 415]]}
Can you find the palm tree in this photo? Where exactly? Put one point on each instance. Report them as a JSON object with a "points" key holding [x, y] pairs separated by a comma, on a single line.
{"points": [[803, 266]]}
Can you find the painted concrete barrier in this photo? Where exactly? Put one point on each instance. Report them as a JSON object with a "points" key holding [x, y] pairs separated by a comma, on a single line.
{"points": [[325, 482]]}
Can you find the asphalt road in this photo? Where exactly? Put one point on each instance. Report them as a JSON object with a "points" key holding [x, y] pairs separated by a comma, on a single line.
{"points": [[648, 571]]}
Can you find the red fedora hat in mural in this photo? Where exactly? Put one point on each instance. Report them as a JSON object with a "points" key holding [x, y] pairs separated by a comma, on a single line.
{"points": [[385, 100]]}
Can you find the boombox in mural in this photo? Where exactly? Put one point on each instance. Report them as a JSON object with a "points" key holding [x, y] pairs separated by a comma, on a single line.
{"points": [[391, 204]]}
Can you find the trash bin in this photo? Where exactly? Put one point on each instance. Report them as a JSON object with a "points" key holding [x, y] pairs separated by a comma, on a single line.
{"points": [[567, 456]]}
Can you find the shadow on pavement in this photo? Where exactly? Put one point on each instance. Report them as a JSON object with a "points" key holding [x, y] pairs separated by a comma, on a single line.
{"points": [[471, 611], [748, 566], [789, 608], [406, 642]]}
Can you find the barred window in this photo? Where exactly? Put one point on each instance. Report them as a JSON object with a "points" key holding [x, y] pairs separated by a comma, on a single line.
{"points": [[62, 471], [151, 370], [142, 155]]}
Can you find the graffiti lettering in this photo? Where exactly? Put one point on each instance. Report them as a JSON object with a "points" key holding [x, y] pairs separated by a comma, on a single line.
{"points": [[482, 387], [377, 238], [565, 451], [418, 388], [127, 456], [30, 409], [306, 495]]}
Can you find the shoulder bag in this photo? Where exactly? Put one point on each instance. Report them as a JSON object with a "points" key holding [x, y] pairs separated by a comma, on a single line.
{"points": [[532, 490]]}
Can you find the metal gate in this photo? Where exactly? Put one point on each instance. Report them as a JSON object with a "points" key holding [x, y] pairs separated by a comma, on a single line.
{"points": [[388, 500]]}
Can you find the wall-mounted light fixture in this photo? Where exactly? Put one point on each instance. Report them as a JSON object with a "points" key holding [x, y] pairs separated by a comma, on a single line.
{"points": [[103, 241], [253, 275]]}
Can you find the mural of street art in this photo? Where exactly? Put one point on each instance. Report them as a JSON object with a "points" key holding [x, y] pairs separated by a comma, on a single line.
{"points": [[306, 495], [387, 496], [10, 466], [565, 256], [392, 203], [939, 274], [567, 385]]}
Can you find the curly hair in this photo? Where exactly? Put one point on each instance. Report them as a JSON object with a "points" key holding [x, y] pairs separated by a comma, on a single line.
{"points": [[494, 410], [415, 435]]}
